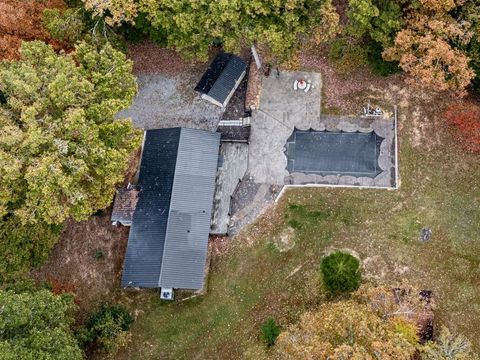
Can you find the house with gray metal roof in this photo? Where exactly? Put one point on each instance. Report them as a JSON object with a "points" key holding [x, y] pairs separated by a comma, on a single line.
{"points": [[167, 245], [222, 78]]}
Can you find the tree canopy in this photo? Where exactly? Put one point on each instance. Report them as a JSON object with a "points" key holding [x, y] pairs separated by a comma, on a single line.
{"points": [[376, 322], [61, 150], [430, 39], [37, 325], [346, 330], [424, 47], [378, 19], [59, 144], [193, 25]]}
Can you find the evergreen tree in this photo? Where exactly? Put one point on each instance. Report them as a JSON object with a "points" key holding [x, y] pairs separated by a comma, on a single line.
{"points": [[61, 150]]}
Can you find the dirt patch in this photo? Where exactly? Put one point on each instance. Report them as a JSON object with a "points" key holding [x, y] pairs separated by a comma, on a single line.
{"points": [[285, 240], [343, 93], [253, 87], [218, 245], [150, 58], [375, 267], [88, 259]]}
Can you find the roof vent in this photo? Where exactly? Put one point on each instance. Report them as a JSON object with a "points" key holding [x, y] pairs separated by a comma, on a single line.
{"points": [[166, 293]]}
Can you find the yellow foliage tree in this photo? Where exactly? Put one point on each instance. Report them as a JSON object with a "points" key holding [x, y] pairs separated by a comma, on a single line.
{"points": [[115, 12], [346, 330]]}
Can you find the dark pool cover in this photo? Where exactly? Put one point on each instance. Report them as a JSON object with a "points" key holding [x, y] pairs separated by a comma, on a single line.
{"points": [[334, 153]]}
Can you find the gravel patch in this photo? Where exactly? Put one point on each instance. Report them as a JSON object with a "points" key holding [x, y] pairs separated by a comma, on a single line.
{"points": [[169, 101]]}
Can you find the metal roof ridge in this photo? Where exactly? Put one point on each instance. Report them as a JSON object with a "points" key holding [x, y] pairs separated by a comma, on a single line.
{"points": [[170, 204]]}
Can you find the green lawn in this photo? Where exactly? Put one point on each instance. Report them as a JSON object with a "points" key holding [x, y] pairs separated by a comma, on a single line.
{"points": [[254, 281]]}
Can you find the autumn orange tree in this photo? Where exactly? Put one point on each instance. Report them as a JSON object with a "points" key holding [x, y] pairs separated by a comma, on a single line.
{"points": [[465, 118], [432, 40], [22, 20], [372, 324], [425, 51]]}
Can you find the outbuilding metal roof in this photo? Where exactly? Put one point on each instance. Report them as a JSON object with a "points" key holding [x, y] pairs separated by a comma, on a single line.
{"points": [[167, 246], [222, 78]]}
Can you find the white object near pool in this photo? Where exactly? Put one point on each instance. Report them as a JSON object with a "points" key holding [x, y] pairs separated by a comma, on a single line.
{"points": [[302, 85]]}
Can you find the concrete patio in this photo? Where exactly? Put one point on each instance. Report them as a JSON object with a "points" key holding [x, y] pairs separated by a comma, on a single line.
{"points": [[283, 109]]}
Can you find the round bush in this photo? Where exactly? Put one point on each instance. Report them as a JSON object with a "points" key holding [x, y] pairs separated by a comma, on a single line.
{"points": [[270, 331], [340, 272], [105, 326]]}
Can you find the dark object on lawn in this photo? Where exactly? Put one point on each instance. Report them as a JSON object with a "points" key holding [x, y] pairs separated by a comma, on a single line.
{"points": [[99, 255], [426, 295], [270, 331], [341, 272], [426, 320], [222, 78], [426, 234], [3, 98], [334, 153]]}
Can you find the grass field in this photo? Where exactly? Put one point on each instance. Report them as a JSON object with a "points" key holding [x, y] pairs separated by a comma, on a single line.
{"points": [[254, 280]]}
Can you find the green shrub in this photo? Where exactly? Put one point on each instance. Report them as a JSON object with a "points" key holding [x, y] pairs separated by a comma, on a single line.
{"points": [[407, 330], [346, 56], [295, 224], [270, 331], [377, 64], [340, 272], [144, 29], [106, 327]]}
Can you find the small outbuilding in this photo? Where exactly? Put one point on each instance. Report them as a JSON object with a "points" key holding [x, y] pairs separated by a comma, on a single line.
{"points": [[168, 240], [222, 78]]}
